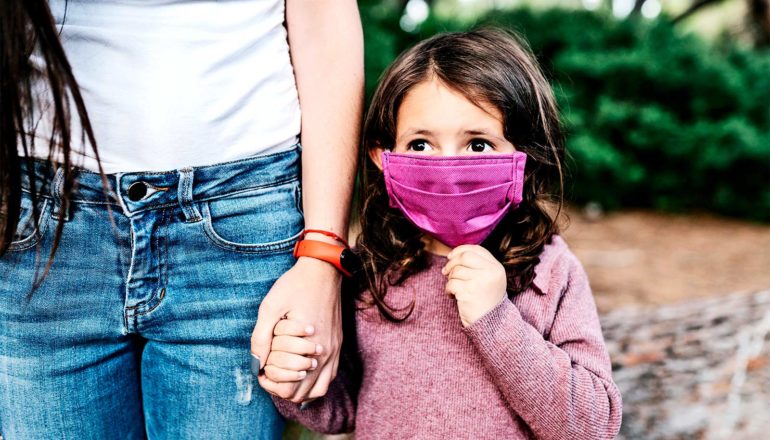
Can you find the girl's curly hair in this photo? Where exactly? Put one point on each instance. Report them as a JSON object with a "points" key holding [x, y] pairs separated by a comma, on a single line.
{"points": [[486, 66]]}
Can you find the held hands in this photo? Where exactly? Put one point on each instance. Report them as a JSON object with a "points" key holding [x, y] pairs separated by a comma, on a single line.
{"points": [[308, 292], [292, 356], [476, 279]]}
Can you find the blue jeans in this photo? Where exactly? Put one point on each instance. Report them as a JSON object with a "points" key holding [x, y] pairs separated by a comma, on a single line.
{"points": [[142, 327]]}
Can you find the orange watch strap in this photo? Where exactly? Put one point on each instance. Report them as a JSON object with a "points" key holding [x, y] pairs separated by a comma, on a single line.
{"points": [[322, 251]]}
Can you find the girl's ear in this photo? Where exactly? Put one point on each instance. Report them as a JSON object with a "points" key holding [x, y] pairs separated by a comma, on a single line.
{"points": [[375, 154]]}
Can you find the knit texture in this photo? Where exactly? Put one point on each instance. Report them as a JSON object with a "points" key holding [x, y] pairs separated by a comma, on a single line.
{"points": [[533, 367]]}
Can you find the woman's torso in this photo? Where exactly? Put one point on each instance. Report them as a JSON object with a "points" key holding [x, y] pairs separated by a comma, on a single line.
{"points": [[172, 83]]}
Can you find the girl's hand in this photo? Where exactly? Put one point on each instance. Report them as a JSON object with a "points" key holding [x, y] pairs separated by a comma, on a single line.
{"points": [[476, 279], [291, 353]]}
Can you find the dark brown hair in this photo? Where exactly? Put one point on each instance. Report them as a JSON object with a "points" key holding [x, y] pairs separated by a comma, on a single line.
{"points": [[27, 26], [486, 66]]}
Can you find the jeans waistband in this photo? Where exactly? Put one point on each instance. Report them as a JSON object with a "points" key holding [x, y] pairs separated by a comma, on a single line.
{"points": [[139, 191]]}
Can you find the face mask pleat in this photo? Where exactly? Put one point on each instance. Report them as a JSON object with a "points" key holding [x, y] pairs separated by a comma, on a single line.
{"points": [[432, 161], [483, 195]]}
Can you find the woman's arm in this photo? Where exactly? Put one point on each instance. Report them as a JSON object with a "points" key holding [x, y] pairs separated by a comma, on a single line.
{"points": [[561, 387], [326, 44]]}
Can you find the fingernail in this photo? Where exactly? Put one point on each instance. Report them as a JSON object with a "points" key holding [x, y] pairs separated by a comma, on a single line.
{"points": [[314, 363], [309, 330], [256, 364], [303, 405], [302, 374], [318, 349]]}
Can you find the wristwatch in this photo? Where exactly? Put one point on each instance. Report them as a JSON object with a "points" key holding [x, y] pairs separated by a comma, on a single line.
{"points": [[339, 256]]}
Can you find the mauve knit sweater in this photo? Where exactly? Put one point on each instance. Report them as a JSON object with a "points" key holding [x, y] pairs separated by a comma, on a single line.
{"points": [[533, 367]]}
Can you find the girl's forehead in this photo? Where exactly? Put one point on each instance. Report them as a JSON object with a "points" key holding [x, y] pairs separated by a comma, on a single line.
{"points": [[432, 105]]}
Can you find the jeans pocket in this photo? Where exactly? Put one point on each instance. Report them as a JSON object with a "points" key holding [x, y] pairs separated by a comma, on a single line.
{"points": [[262, 220], [32, 222]]}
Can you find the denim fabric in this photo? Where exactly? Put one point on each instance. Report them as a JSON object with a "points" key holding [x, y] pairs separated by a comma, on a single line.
{"points": [[142, 327]]}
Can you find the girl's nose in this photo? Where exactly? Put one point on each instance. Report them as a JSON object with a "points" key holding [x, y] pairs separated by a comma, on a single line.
{"points": [[449, 149]]}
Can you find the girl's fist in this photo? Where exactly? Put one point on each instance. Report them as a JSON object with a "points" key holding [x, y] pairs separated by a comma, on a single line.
{"points": [[476, 279]]}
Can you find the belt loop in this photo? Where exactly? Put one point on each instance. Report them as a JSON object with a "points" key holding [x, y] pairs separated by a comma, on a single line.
{"points": [[185, 192], [57, 191]]}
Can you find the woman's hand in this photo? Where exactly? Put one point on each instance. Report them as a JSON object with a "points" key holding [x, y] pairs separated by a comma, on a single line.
{"points": [[476, 279], [308, 293]]}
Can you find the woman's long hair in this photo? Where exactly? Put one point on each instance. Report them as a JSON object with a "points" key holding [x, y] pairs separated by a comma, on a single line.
{"points": [[486, 66], [26, 28]]}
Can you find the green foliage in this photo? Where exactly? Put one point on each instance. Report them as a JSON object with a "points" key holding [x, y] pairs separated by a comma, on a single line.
{"points": [[295, 431], [654, 118]]}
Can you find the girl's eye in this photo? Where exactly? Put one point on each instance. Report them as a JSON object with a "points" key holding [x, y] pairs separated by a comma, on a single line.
{"points": [[418, 145], [480, 146]]}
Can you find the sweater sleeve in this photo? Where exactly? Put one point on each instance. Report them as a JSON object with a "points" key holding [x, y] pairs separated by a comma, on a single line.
{"points": [[333, 413], [560, 385]]}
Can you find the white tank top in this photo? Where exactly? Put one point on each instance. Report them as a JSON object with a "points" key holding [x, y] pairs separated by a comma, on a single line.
{"points": [[172, 83]]}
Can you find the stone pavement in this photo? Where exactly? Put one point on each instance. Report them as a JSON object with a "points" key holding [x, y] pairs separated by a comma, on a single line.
{"points": [[695, 370]]}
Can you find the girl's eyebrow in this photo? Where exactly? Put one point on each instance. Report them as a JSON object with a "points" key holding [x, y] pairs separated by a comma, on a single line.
{"points": [[481, 133], [477, 132], [414, 131]]}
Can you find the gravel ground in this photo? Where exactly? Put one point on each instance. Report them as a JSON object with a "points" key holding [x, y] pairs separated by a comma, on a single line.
{"points": [[646, 258]]}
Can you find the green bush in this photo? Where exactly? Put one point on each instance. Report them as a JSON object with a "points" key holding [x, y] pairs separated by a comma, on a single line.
{"points": [[655, 118]]}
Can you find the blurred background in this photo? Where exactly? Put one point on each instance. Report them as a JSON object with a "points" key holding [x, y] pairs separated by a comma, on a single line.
{"points": [[667, 109]]}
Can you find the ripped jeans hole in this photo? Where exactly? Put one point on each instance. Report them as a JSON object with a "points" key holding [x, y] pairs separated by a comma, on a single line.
{"points": [[244, 385]]}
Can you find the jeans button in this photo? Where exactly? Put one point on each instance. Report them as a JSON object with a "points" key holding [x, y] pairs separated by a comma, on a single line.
{"points": [[137, 191]]}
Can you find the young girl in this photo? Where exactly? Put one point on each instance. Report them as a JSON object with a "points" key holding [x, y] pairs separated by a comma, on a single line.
{"points": [[472, 317]]}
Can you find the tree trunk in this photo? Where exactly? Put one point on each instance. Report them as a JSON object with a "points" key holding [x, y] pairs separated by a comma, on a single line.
{"points": [[759, 21]]}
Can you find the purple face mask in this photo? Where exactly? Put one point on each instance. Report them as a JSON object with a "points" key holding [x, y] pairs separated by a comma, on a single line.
{"points": [[457, 199]]}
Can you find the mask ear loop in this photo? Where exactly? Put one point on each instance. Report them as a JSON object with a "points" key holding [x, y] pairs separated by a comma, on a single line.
{"points": [[519, 168], [387, 177]]}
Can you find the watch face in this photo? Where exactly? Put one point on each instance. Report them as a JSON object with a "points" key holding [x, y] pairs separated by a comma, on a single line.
{"points": [[350, 261]]}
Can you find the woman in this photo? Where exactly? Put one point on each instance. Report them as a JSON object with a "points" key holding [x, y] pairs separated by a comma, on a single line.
{"points": [[130, 279]]}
